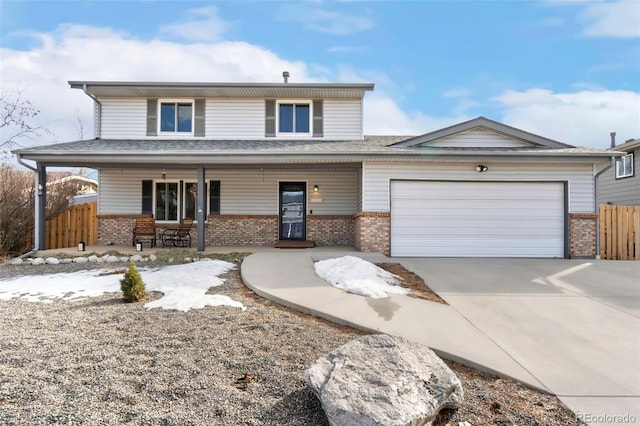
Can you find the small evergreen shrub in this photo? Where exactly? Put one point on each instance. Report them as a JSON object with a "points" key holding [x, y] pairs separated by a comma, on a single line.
{"points": [[132, 286]]}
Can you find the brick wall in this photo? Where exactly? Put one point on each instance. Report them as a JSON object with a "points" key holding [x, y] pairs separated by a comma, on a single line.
{"points": [[582, 235], [330, 230], [116, 229], [372, 231], [230, 230]]}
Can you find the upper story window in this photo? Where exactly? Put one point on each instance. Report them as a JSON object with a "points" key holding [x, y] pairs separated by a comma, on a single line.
{"points": [[176, 117], [294, 117], [624, 166]]}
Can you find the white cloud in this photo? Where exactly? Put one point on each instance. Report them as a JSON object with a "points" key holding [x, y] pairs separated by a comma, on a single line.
{"points": [[383, 116], [456, 93], [203, 25], [612, 19], [317, 19], [582, 118]]}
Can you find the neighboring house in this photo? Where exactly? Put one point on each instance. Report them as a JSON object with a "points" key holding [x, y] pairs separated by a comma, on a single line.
{"points": [[620, 184], [263, 163]]}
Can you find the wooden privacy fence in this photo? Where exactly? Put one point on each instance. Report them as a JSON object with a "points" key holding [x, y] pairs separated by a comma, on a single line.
{"points": [[619, 232], [78, 223]]}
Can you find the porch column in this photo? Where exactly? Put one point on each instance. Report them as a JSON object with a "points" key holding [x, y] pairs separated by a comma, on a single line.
{"points": [[200, 214], [39, 233]]}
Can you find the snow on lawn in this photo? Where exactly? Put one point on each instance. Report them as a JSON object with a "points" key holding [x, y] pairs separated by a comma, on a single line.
{"points": [[184, 286], [358, 276]]}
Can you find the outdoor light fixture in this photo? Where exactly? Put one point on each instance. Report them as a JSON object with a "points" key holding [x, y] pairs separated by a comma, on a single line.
{"points": [[164, 175], [315, 188], [82, 246], [138, 246], [481, 168]]}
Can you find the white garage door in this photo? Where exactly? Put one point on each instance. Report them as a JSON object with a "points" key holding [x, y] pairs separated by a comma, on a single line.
{"points": [[477, 219]]}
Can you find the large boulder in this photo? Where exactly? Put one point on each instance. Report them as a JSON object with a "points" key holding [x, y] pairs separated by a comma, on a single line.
{"points": [[383, 380]]}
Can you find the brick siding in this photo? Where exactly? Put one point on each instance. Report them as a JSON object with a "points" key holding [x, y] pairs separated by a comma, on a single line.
{"points": [[330, 230], [372, 231], [232, 230], [582, 235]]}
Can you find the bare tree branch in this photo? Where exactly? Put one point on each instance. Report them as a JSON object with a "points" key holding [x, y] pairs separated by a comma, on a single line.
{"points": [[17, 116]]}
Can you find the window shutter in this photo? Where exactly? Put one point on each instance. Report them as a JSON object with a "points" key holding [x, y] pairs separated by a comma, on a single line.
{"points": [[147, 197], [214, 197], [199, 116], [317, 119], [270, 118], [152, 117]]}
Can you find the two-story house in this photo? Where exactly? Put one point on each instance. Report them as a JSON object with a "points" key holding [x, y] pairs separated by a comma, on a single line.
{"points": [[263, 163], [620, 185]]}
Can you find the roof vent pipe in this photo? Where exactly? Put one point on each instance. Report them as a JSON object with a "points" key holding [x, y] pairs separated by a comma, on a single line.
{"points": [[613, 139], [285, 75]]}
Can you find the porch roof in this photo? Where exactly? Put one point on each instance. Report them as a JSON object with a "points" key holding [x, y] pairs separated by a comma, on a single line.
{"points": [[102, 152]]}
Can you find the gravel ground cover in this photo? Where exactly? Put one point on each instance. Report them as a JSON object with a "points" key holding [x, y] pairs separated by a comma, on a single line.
{"points": [[101, 361]]}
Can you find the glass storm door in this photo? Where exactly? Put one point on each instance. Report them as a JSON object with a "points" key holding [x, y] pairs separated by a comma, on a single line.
{"points": [[293, 207]]}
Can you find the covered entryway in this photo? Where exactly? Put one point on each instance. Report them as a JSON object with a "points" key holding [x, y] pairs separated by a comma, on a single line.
{"points": [[478, 219]]}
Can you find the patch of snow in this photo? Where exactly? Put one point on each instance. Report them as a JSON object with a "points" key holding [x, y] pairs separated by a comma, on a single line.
{"points": [[184, 286], [358, 276]]}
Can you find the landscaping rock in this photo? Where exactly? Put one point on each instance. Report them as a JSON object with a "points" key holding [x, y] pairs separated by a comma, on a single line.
{"points": [[52, 261], [16, 261], [66, 260], [123, 258], [80, 259], [94, 259], [136, 258], [37, 261], [112, 259], [153, 257], [381, 379]]}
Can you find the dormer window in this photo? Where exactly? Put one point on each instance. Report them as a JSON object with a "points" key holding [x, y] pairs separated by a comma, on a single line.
{"points": [[176, 117], [624, 166], [294, 117]]}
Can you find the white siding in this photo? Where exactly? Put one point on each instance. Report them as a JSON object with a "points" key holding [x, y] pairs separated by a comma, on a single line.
{"points": [[342, 119], [124, 118], [476, 138], [241, 191], [622, 192], [378, 175], [235, 119]]}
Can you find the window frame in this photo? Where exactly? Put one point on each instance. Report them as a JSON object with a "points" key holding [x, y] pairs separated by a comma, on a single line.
{"points": [[622, 160], [176, 133], [155, 192], [183, 208], [293, 134]]}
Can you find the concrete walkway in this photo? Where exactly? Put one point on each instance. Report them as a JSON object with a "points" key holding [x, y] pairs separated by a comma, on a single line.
{"points": [[567, 327]]}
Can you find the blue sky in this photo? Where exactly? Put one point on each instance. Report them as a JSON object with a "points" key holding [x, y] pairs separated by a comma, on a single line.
{"points": [[568, 70]]}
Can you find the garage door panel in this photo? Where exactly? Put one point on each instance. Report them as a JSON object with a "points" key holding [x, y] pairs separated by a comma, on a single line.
{"points": [[477, 219]]}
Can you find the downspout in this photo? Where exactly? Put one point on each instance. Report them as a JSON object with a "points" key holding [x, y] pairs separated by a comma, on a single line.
{"points": [[98, 128], [35, 229], [595, 190]]}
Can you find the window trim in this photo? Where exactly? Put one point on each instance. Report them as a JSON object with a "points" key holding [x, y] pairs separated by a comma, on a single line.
{"points": [[631, 159], [175, 101], [155, 214], [294, 134]]}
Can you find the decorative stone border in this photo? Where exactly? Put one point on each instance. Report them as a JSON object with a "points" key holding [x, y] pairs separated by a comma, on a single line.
{"points": [[107, 258]]}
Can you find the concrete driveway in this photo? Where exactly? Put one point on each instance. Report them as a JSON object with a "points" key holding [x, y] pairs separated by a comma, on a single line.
{"points": [[572, 324]]}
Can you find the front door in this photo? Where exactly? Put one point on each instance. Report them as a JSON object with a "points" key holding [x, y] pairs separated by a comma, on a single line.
{"points": [[293, 208]]}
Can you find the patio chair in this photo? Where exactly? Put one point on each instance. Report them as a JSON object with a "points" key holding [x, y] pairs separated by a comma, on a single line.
{"points": [[144, 230], [179, 237]]}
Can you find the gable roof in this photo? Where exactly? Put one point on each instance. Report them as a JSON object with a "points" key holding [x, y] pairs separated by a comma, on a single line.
{"points": [[628, 146], [529, 139], [224, 90]]}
